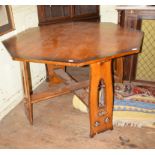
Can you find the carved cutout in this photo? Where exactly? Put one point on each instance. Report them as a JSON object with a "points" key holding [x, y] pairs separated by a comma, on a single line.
{"points": [[106, 120], [97, 124], [101, 113], [101, 94]]}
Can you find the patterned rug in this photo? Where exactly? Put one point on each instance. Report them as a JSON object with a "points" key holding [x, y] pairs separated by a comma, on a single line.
{"points": [[128, 91], [134, 105]]}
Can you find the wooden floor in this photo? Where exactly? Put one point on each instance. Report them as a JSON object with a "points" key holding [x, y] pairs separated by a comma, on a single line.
{"points": [[58, 125]]}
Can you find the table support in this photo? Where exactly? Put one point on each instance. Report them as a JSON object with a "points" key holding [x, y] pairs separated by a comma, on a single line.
{"points": [[52, 77], [100, 97], [27, 91]]}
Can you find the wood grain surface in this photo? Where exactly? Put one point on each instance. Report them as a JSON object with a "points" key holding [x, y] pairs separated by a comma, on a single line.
{"points": [[73, 44]]}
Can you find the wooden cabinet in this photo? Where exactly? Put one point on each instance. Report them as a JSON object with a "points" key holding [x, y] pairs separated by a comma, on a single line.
{"points": [[86, 12], [138, 66], [50, 14], [63, 13]]}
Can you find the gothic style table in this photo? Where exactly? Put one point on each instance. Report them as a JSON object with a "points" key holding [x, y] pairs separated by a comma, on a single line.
{"points": [[76, 44]]}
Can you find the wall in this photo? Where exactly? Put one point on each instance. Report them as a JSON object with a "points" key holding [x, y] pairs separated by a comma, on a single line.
{"points": [[108, 13], [11, 91], [10, 74]]}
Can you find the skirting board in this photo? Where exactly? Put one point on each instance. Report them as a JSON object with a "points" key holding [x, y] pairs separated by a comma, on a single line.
{"points": [[15, 99]]}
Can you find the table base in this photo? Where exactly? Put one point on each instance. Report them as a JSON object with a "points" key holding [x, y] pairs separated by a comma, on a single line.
{"points": [[100, 101]]}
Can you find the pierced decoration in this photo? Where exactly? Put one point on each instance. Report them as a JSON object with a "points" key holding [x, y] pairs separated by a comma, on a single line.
{"points": [[101, 94], [97, 124], [101, 113], [106, 120]]}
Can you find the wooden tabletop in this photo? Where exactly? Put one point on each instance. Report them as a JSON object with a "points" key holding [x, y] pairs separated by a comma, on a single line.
{"points": [[73, 44]]}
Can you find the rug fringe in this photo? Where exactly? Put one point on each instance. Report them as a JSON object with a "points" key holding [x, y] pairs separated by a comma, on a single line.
{"points": [[133, 123], [123, 118]]}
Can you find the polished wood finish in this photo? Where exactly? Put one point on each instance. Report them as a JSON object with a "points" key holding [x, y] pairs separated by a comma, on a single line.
{"points": [[131, 19], [49, 14], [51, 76], [100, 117], [82, 94], [68, 89], [27, 91], [56, 44], [118, 70], [94, 44]]}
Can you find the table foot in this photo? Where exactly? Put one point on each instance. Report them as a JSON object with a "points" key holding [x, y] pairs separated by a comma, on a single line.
{"points": [[29, 111], [100, 98], [52, 77]]}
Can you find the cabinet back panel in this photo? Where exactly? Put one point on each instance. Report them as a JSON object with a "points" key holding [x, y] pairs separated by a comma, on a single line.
{"points": [[146, 59]]}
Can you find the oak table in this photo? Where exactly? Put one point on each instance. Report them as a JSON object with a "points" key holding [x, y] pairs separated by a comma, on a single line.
{"points": [[76, 44]]}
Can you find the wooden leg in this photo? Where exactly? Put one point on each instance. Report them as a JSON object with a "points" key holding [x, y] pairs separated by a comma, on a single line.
{"points": [[27, 91], [52, 77], [120, 69], [100, 97]]}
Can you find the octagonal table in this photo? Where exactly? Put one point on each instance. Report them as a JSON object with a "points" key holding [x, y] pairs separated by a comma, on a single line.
{"points": [[76, 44]]}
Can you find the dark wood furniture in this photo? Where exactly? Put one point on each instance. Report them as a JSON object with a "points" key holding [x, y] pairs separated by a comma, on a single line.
{"points": [[49, 14], [6, 17], [94, 44], [138, 66]]}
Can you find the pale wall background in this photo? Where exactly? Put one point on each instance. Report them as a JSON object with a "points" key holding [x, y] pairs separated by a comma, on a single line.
{"points": [[108, 13], [11, 90]]}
